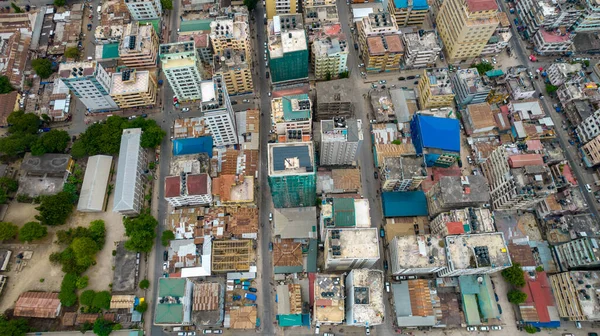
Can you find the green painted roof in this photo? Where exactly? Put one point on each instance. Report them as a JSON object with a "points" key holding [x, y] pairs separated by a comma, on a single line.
{"points": [[343, 212], [311, 258], [167, 313], [287, 269], [471, 310], [289, 113], [110, 50], [171, 287], [290, 320], [195, 25], [155, 23]]}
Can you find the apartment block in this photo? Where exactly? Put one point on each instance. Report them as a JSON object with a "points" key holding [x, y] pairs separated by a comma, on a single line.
{"points": [[402, 173], [417, 254], [277, 7], [591, 152], [501, 37], [144, 9], [463, 221], [232, 65], [292, 174], [589, 128], [129, 186], [131, 88], [181, 65], [329, 301], [420, 49], [578, 253], [231, 32], [381, 46], [341, 140], [435, 89], [470, 87], [292, 117], [556, 42], [287, 49], [364, 295], [408, 12], [350, 248], [188, 189], [559, 73], [590, 18], [217, 112], [575, 295], [329, 52], [457, 192], [519, 85], [483, 253], [547, 14], [89, 82], [139, 46], [466, 26]]}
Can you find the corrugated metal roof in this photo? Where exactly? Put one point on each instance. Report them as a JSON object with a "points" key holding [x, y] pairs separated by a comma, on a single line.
{"points": [[343, 212], [38, 304], [94, 184], [127, 170], [404, 204]]}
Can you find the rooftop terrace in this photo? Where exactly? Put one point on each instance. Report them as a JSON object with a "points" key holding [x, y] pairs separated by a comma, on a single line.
{"points": [[477, 251], [422, 251], [353, 243], [367, 285], [329, 298]]}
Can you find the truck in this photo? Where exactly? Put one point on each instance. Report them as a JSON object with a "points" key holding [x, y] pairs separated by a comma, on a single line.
{"points": [[250, 296]]}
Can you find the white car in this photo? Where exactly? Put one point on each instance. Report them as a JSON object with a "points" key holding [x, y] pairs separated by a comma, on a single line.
{"points": [[495, 328], [246, 101], [588, 188], [317, 329], [269, 94], [471, 328], [266, 64], [484, 328], [387, 286], [165, 266], [270, 216], [185, 109]]}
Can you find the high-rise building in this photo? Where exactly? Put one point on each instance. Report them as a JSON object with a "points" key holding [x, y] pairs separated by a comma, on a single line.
{"points": [[435, 89], [466, 26], [139, 46], [364, 295], [292, 117], [341, 139], [559, 73], [277, 7], [463, 221], [470, 87], [589, 128], [233, 66], [131, 88], [348, 248], [556, 42], [380, 44], [90, 82], [292, 174], [420, 50], [576, 295], [546, 14], [188, 189], [590, 18], [329, 52], [578, 253], [501, 37], [144, 9], [591, 152], [181, 65], [417, 254], [457, 192], [287, 49], [217, 112], [408, 12], [129, 187], [482, 253], [402, 173]]}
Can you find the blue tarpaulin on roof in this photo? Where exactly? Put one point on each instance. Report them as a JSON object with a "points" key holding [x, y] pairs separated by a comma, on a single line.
{"points": [[193, 146], [435, 132], [404, 204]]}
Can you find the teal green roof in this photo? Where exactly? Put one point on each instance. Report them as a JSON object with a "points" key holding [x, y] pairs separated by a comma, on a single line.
{"points": [[195, 25], [167, 313], [155, 23], [470, 309], [289, 113], [287, 269], [494, 73], [171, 287], [311, 258], [343, 212], [482, 293], [110, 50], [290, 320]]}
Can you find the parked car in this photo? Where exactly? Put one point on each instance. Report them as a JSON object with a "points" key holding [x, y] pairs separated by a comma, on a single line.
{"points": [[484, 328], [144, 115], [270, 216], [401, 78], [207, 331], [271, 247], [385, 265], [165, 266], [588, 188], [387, 286], [382, 232], [269, 94], [382, 81], [317, 329], [471, 328], [246, 101], [89, 26], [233, 102], [410, 77], [166, 255], [499, 309], [374, 86], [217, 331], [267, 75], [253, 290], [376, 175], [185, 109], [367, 330], [496, 328]]}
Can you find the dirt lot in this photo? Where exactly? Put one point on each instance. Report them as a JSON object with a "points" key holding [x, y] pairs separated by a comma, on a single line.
{"points": [[528, 224], [38, 267]]}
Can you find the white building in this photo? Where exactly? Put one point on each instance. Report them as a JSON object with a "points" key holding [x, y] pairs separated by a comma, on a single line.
{"points": [[129, 187], [589, 127], [590, 19], [364, 295], [188, 189], [470, 87], [463, 221], [556, 42], [340, 141], [90, 82], [95, 181], [483, 253], [346, 249], [181, 64], [329, 55], [144, 9], [217, 112], [402, 173], [547, 14], [420, 51], [420, 254], [559, 73]]}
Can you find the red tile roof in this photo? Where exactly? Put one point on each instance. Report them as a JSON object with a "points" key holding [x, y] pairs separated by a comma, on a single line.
{"points": [[533, 145], [523, 160], [481, 5], [568, 174], [38, 304], [172, 186], [197, 184], [539, 294], [455, 228]]}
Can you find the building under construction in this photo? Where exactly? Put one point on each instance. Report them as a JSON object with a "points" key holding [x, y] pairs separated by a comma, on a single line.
{"points": [[232, 256]]}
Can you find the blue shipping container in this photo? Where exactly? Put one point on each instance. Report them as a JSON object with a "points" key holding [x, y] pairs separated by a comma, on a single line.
{"points": [[250, 296]]}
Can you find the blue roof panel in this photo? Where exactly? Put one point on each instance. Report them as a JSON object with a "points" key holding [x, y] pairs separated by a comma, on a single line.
{"points": [[420, 5], [401, 3], [193, 146], [439, 133], [280, 154], [404, 204]]}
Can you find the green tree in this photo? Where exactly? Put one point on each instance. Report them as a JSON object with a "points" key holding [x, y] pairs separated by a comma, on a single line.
{"points": [[251, 4], [482, 67], [166, 237], [551, 88], [397, 142], [530, 329], [17, 143], [144, 284], [16, 8], [141, 231], [328, 76], [97, 231], [72, 52], [142, 307], [8, 231], [87, 297], [55, 209], [55, 141], [32, 231], [68, 287], [60, 3], [344, 74], [82, 282], [539, 269], [23, 123], [153, 134], [9, 184], [102, 327], [42, 67], [13, 327], [167, 4], [514, 275], [102, 300], [5, 86], [85, 249], [586, 63], [516, 296]]}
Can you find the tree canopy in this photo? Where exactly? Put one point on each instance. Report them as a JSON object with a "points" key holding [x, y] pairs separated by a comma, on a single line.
{"points": [[167, 4], [516, 297], [42, 67], [482, 67], [102, 300], [102, 327], [5, 86], [87, 297], [141, 231], [8, 231], [7, 185], [23, 123], [82, 245], [32, 231], [13, 327], [72, 52], [551, 88], [68, 288], [22, 133], [60, 3], [55, 209], [55, 141], [251, 4], [144, 284], [514, 275], [166, 237]]}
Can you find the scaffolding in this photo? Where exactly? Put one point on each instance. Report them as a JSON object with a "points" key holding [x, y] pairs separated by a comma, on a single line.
{"points": [[232, 255]]}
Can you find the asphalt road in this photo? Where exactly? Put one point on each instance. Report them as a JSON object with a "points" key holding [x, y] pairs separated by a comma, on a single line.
{"points": [[570, 152]]}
